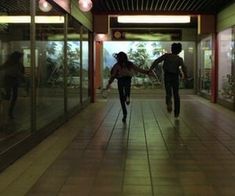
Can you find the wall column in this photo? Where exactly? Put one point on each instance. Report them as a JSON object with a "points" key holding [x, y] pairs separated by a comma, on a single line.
{"points": [[98, 64], [206, 26]]}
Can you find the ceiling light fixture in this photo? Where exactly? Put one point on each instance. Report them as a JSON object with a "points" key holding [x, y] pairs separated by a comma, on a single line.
{"points": [[85, 5], [27, 19], [101, 37], [154, 19], [44, 6]]}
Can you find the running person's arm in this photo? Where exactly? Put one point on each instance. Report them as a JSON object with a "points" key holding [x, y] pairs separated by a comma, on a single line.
{"points": [[157, 61], [182, 75], [113, 75], [138, 69], [182, 69]]}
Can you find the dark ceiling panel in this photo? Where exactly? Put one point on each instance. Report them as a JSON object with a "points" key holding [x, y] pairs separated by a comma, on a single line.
{"points": [[117, 2], [112, 5], [22, 7], [135, 6], [160, 6], [196, 5], [108, 5], [14, 6], [167, 5]]}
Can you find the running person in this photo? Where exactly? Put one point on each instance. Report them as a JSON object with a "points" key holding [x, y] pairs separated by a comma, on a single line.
{"points": [[123, 70], [174, 68]]}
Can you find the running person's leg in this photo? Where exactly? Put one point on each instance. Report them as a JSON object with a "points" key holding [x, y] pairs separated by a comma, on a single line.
{"points": [[175, 86], [13, 100], [127, 89], [168, 90], [122, 97]]}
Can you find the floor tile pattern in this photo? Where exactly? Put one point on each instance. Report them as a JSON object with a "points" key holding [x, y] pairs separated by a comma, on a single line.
{"points": [[153, 154]]}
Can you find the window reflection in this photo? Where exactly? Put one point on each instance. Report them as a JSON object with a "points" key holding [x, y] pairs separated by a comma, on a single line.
{"points": [[226, 77], [15, 77], [205, 65], [21, 97], [74, 65], [85, 65], [49, 71]]}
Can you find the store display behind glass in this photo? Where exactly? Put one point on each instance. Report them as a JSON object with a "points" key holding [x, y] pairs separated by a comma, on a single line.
{"points": [[49, 94], [49, 72], [85, 65], [205, 65], [143, 53], [74, 64], [226, 67], [14, 37]]}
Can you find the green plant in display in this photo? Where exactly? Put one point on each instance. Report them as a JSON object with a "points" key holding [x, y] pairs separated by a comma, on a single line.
{"points": [[139, 55], [55, 63]]}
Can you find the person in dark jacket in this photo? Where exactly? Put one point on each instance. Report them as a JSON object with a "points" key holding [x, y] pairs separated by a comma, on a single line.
{"points": [[123, 71], [174, 68], [13, 74]]}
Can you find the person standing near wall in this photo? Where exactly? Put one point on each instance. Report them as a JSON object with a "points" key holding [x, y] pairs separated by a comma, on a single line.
{"points": [[174, 68]]}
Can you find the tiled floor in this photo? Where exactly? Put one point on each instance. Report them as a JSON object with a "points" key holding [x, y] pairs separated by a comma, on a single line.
{"points": [[153, 154]]}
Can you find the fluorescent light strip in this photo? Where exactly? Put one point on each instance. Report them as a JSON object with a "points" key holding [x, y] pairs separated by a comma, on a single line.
{"points": [[154, 19], [27, 19]]}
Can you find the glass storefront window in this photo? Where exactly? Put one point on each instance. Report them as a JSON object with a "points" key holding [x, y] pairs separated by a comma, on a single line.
{"points": [[143, 53], [85, 65], [225, 73], [15, 78], [49, 69], [32, 93], [74, 64], [205, 65]]}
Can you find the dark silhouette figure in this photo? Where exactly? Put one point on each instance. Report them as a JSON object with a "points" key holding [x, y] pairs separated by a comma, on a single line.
{"points": [[123, 71], [174, 68], [13, 74]]}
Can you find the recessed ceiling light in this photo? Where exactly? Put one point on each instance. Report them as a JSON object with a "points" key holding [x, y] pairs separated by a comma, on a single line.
{"points": [[154, 19], [27, 19]]}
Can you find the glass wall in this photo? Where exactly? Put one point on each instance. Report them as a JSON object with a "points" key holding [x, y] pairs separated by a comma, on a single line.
{"points": [[226, 67], [37, 95], [143, 53], [85, 64], [205, 65], [49, 69], [74, 64], [15, 74]]}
